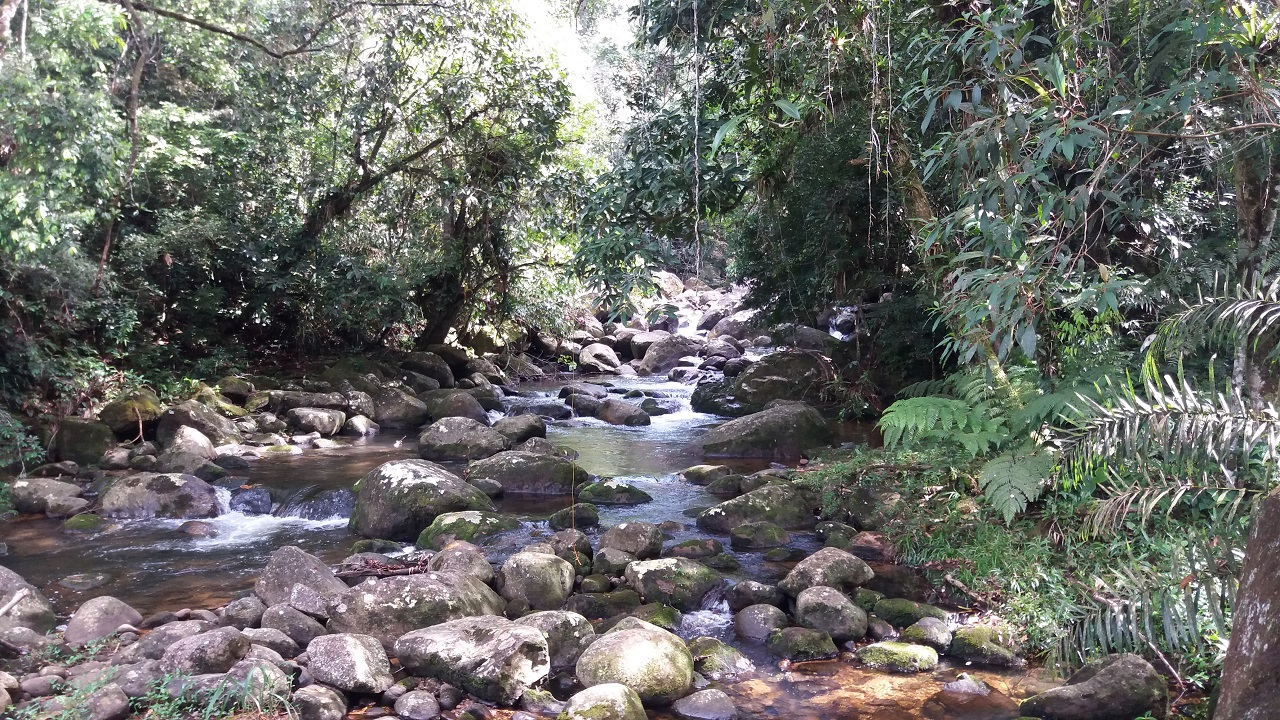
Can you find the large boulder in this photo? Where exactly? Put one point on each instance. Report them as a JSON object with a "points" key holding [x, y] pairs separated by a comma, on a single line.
{"points": [[736, 326], [1118, 687], [215, 651], [640, 539], [390, 607], [98, 618], [37, 495], [610, 701], [30, 611], [828, 567], [782, 505], [399, 498], [133, 414], [532, 473], [829, 610], [598, 358], [783, 431], [975, 644], [455, 403], [186, 439], [621, 412], [431, 365], [290, 566], [540, 580], [567, 634], [641, 342], [84, 441], [152, 495], [678, 582], [788, 375], [349, 662], [395, 408], [521, 427], [460, 438], [324, 421], [654, 663], [899, 657], [666, 353], [221, 430], [468, 526], [490, 657]]}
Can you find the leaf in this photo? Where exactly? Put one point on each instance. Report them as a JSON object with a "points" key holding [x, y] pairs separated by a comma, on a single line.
{"points": [[724, 131], [1012, 480], [788, 107]]}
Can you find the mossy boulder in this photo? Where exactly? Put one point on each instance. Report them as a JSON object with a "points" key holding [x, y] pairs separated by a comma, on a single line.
{"points": [[678, 582], [801, 644], [985, 645], [613, 492], [780, 504], [866, 598], [641, 539], [126, 413], [567, 633], [785, 375], [532, 473], [460, 438], [902, 613], [473, 526], [610, 701], [1118, 687], [706, 474], [489, 657], [715, 660], [828, 610], [387, 608], [656, 613], [695, 549], [578, 515], [750, 592], [540, 580], [398, 499], [827, 567], [153, 495], [758, 535], [219, 429], [84, 441], [898, 657], [604, 604], [652, 662], [779, 433], [928, 631]]}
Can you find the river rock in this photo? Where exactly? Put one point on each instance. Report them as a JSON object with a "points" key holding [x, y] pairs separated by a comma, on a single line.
{"points": [[317, 702], [462, 557], [828, 610], [524, 472], [578, 515], [455, 403], [83, 441], [902, 613], [750, 592], [153, 645], [98, 618], [598, 358], [664, 354], [360, 426], [417, 705], [519, 428], [756, 622], [349, 662], [590, 390], [154, 495], [221, 430], [928, 631], [640, 342], [695, 549], [287, 567], [325, 422], [395, 408], [568, 634], [621, 412], [609, 701], [490, 657], [398, 499], [705, 705], [611, 561], [35, 495], [468, 525], [613, 492], [33, 611], [737, 325], [780, 504], [898, 657], [460, 438], [431, 365], [583, 405], [295, 624], [758, 535], [189, 440], [783, 431], [604, 604], [715, 660], [389, 607], [640, 539], [132, 414], [706, 474], [827, 567], [1118, 687], [678, 582], [542, 581], [652, 662], [274, 640], [786, 375], [981, 644], [215, 651]]}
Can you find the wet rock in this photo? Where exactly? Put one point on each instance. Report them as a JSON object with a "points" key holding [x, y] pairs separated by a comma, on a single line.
{"points": [[34, 495], [400, 498], [215, 651], [828, 610], [98, 618], [613, 492], [360, 426], [568, 634], [81, 582], [621, 412], [781, 432], [758, 535], [524, 472], [417, 705], [928, 631], [83, 441], [470, 525], [780, 504], [663, 354], [273, 640], [640, 539], [603, 605], [902, 613], [460, 438], [652, 662], [251, 501], [608, 701], [290, 566], [325, 422], [317, 702], [547, 409], [828, 567], [984, 645], [749, 592], [898, 657], [455, 403], [490, 397], [297, 625], [695, 549], [757, 622], [520, 428], [578, 515], [220, 430], [590, 390], [705, 705], [611, 561], [801, 644], [1118, 687], [126, 413], [490, 657], [152, 495], [388, 608], [678, 582], [717, 661], [786, 375], [395, 408], [878, 629], [349, 662], [542, 581]]}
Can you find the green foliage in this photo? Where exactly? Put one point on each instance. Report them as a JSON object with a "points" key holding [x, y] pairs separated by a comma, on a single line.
{"points": [[1012, 480], [917, 420]]}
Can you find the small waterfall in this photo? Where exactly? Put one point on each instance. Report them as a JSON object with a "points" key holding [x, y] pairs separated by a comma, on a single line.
{"points": [[711, 618], [223, 497]]}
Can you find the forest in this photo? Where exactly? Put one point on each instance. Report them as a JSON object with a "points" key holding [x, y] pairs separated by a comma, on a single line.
{"points": [[1035, 240]]}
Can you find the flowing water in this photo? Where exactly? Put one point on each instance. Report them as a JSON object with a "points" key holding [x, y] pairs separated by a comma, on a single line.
{"points": [[153, 565]]}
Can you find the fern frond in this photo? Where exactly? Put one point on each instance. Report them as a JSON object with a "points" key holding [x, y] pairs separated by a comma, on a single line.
{"points": [[1252, 314], [907, 421], [1012, 480]]}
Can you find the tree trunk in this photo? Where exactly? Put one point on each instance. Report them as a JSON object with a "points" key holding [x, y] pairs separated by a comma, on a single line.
{"points": [[8, 11], [1250, 687], [1257, 174]]}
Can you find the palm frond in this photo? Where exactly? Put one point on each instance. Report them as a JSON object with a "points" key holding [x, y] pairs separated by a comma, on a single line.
{"points": [[1250, 313], [1109, 515]]}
